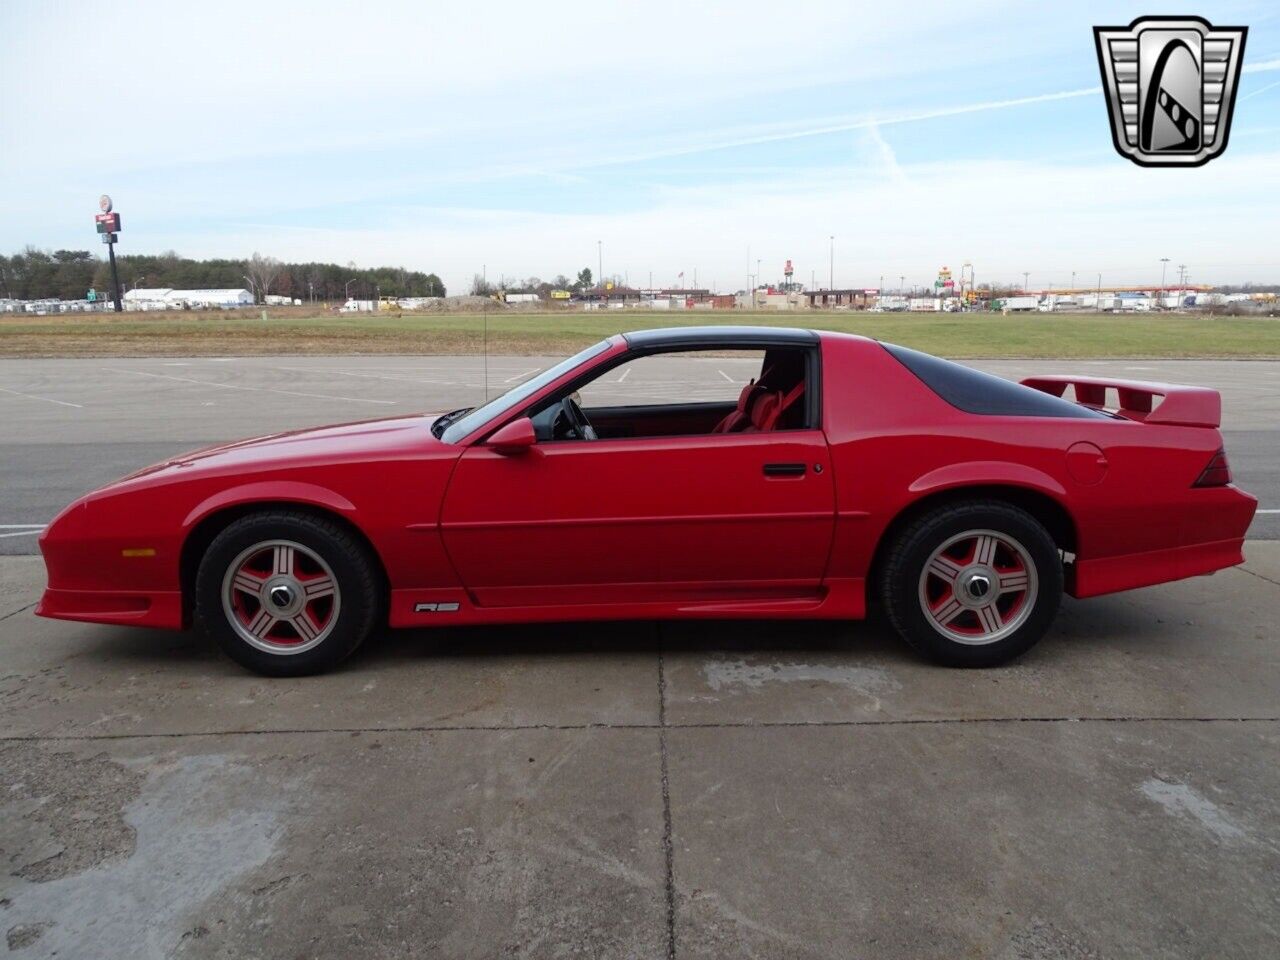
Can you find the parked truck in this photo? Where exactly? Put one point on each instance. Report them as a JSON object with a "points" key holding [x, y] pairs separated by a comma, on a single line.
{"points": [[1020, 304]]}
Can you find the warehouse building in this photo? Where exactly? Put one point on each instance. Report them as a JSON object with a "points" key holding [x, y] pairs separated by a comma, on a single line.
{"points": [[166, 298]]}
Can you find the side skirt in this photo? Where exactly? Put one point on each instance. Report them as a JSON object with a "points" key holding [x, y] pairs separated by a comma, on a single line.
{"points": [[839, 599]]}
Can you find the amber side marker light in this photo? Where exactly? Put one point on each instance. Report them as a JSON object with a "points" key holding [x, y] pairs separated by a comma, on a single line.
{"points": [[1217, 473], [138, 552]]}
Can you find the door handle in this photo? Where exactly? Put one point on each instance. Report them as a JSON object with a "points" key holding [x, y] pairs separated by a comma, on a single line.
{"points": [[784, 469]]}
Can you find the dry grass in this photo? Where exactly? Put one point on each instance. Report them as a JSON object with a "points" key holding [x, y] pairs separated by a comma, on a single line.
{"points": [[301, 330]]}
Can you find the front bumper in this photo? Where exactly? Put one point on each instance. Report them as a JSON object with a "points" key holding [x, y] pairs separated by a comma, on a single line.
{"points": [[153, 609], [105, 567]]}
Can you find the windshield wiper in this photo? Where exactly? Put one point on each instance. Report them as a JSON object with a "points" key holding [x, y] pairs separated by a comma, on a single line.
{"points": [[441, 423]]}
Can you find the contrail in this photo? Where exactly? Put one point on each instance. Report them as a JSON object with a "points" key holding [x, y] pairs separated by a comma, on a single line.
{"points": [[866, 123]]}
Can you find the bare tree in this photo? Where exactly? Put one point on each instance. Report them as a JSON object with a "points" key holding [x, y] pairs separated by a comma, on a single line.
{"points": [[262, 271]]}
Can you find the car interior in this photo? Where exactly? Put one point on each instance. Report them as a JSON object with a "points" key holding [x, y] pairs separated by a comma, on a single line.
{"points": [[625, 401]]}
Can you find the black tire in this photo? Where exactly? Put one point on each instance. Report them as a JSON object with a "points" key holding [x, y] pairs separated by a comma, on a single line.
{"points": [[354, 610], [905, 590]]}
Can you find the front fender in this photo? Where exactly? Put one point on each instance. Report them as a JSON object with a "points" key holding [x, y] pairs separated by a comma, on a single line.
{"points": [[280, 491]]}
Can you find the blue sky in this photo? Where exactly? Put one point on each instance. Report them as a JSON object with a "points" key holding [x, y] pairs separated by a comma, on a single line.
{"points": [[515, 136]]}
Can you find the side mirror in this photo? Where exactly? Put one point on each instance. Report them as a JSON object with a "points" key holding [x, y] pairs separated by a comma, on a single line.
{"points": [[516, 437]]}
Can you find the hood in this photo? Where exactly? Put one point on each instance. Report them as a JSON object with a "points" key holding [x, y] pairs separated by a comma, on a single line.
{"points": [[333, 443]]}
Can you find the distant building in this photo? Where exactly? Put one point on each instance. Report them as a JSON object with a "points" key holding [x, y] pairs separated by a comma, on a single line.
{"points": [[858, 299], [166, 298]]}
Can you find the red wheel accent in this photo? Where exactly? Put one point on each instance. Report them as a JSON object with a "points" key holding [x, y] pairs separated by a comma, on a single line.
{"points": [[978, 587], [281, 597]]}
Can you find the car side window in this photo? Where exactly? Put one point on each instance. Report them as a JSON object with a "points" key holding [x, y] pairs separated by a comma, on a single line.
{"points": [[684, 393], [683, 377]]}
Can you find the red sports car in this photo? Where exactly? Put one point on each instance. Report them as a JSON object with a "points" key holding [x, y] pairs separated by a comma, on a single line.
{"points": [[847, 471]]}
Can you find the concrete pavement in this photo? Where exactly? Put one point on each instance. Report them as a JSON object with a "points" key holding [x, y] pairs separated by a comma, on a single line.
{"points": [[651, 790]]}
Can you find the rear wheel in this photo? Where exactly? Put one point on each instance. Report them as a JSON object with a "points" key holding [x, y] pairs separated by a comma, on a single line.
{"points": [[973, 584], [287, 594]]}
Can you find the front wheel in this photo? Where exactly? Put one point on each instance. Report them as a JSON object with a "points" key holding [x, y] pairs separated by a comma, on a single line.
{"points": [[287, 594], [973, 584]]}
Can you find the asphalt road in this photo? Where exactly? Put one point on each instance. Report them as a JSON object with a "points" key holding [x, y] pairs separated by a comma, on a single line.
{"points": [[624, 790], [67, 426]]}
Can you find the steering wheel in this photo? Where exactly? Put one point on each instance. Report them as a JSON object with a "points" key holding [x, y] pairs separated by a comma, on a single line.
{"points": [[571, 423]]}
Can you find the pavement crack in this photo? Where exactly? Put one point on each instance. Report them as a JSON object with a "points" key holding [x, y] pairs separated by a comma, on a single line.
{"points": [[668, 847], [1254, 573], [14, 613], [663, 727]]}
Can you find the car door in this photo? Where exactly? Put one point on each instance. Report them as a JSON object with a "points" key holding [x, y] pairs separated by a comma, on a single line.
{"points": [[642, 519]]}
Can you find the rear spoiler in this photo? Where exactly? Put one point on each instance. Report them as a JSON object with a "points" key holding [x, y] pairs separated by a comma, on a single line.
{"points": [[1180, 406]]}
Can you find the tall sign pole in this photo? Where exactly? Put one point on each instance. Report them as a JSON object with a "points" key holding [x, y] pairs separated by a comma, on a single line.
{"points": [[108, 227]]}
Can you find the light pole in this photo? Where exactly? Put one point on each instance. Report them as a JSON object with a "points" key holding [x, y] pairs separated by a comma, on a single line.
{"points": [[1164, 265], [1026, 274], [758, 272], [1097, 303], [831, 275], [1073, 282], [346, 288], [901, 283]]}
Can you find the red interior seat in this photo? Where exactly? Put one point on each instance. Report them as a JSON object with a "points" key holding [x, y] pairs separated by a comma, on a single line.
{"points": [[740, 417]]}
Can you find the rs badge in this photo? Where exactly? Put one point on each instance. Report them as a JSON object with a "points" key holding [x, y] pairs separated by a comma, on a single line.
{"points": [[1170, 84]]}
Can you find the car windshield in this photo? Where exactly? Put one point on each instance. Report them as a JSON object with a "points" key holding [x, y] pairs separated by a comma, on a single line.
{"points": [[455, 429]]}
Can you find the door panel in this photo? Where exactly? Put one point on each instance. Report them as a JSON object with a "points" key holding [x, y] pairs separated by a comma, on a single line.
{"points": [[666, 420], [636, 520]]}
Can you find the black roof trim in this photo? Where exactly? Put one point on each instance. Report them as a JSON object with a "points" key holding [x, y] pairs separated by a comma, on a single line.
{"points": [[726, 336]]}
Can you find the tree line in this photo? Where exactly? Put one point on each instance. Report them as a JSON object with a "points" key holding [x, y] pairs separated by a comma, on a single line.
{"points": [[69, 274]]}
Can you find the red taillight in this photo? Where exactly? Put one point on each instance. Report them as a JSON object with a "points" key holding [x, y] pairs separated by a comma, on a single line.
{"points": [[1217, 473]]}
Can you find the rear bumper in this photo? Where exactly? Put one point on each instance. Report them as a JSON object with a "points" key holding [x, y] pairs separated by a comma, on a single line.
{"points": [[1211, 525], [1092, 578], [154, 609]]}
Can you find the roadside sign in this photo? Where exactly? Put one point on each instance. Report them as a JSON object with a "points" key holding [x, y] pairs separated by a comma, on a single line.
{"points": [[108, 223]]}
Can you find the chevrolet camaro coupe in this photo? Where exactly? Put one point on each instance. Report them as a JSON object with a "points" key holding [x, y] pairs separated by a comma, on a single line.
{"points": [[831, 473]]}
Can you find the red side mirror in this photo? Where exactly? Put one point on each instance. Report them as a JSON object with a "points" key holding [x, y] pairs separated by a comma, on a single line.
{"points": [[516, 437]]}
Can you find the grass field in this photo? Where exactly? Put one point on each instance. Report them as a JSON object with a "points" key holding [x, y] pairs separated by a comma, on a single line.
{"points": [[297, 331]]}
